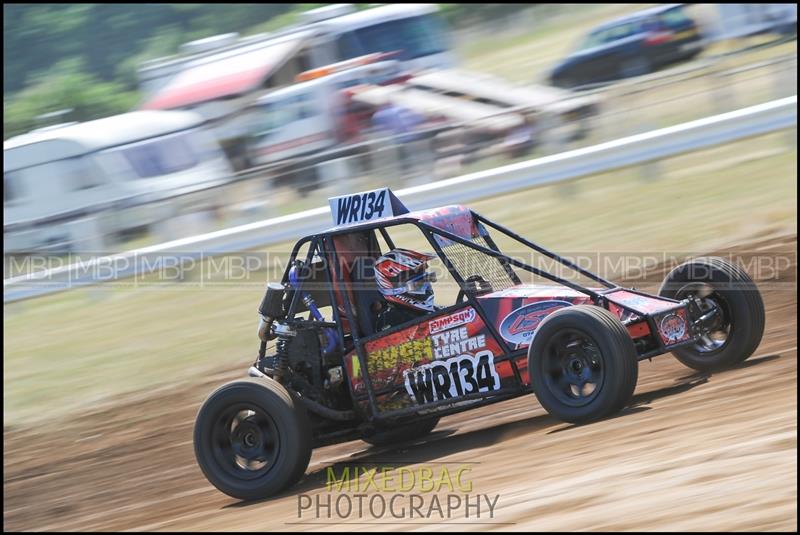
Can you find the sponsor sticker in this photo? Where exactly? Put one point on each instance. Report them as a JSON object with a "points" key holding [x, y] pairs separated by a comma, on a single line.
{"points": [[672, 327], [461, 317], [456, 342], [518, 327], [452, 378], [360, 207], [365, 206]]}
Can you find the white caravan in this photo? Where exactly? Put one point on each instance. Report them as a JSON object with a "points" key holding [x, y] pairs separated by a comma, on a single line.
{"points": [[118, 167]]}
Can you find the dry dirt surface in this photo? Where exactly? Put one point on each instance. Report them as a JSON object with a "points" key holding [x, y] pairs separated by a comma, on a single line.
{"points": [[692, 452]]}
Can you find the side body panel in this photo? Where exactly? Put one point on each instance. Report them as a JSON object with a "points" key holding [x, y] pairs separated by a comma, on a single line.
{"points": [[446, 355]]}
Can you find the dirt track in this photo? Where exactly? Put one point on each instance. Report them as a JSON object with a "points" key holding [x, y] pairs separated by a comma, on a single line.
{"points": [[692, 452]]}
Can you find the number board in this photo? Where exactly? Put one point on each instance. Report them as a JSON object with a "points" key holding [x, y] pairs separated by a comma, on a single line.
{"points": [[365, 206]]}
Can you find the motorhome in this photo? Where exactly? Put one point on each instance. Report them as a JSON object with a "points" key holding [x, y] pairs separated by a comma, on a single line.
{"points": [[215, 75], [224, 76], [120, 169], [315, 114], [323, 36]]}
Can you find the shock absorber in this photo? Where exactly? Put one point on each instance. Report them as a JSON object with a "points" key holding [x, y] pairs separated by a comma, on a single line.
{"points": [[283, 333]]}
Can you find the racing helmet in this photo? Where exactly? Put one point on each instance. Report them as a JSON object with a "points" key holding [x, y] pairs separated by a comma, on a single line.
{"points": [[402, 278]]}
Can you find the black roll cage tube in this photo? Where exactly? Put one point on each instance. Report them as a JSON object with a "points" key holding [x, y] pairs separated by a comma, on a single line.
{"points": [[542, 250]]}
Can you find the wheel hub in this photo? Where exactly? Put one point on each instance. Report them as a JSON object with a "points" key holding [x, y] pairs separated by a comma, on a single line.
{"points": [[714, 323], [250, 440], [247, 442], [575, 368]]}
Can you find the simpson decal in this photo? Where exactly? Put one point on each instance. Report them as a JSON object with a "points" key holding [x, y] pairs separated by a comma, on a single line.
{"points": [[452, 378], [452, 320], [518, 327], [672, 327]]}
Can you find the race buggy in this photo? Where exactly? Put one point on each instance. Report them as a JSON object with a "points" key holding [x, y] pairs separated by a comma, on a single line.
{"points": [[319, 381]]}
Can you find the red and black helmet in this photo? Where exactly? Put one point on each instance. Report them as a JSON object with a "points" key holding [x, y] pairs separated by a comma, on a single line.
{"points": [[402, 278]]}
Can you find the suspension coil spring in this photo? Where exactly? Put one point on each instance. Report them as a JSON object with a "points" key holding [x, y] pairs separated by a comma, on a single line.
{"points": [[284, 334], [281, 358]]}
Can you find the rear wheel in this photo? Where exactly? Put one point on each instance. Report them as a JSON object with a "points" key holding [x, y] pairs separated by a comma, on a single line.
{"points": [[252, 438], [732, 305], [583, 364]]}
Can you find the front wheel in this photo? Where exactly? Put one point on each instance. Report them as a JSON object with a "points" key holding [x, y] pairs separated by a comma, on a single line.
{"points": [[732, 305], [583, 364], [252, 438]]}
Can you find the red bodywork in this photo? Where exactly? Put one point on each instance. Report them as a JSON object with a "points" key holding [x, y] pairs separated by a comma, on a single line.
{"points": [[516, 314]]}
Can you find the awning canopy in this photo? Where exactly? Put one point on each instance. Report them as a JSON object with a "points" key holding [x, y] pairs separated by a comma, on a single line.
{"points": [[473, 85], [227, 75], [433, 104]]}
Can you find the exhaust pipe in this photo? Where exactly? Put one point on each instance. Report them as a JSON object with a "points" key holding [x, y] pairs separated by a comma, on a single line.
{"points": [[313, 406]]}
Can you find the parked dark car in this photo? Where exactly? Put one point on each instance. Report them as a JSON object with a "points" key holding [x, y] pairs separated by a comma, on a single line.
{"points": [[636, 44]]}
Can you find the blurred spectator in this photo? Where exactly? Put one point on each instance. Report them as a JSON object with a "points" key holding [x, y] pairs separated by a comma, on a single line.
{"points": [[353, 118], [397, 121], [402, 127]]}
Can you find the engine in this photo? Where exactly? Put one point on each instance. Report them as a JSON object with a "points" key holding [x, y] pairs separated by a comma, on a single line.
{"points": [[306, 355]]}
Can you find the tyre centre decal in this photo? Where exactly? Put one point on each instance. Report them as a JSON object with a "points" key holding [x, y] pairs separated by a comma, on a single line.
{"points": [[462, 365], [518, 327]]}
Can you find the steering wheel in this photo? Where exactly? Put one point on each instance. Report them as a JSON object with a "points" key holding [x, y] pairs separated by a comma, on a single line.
{"points": [[475, 284]]}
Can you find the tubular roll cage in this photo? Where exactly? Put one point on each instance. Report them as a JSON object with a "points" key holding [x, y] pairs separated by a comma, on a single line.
{"points": [[323, 243]]}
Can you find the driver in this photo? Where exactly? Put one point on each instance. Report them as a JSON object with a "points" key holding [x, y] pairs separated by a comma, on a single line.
{"points": [[405, 284]]}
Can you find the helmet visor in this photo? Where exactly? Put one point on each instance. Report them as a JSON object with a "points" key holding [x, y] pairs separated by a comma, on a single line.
{"points": [[421, 284]]}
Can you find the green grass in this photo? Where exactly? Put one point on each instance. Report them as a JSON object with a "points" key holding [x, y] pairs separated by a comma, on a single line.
{"points": [[69, 351]]}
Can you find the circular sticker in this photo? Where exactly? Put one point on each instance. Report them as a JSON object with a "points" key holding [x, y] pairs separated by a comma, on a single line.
{"points": [[673, 327], [518, 327]]}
